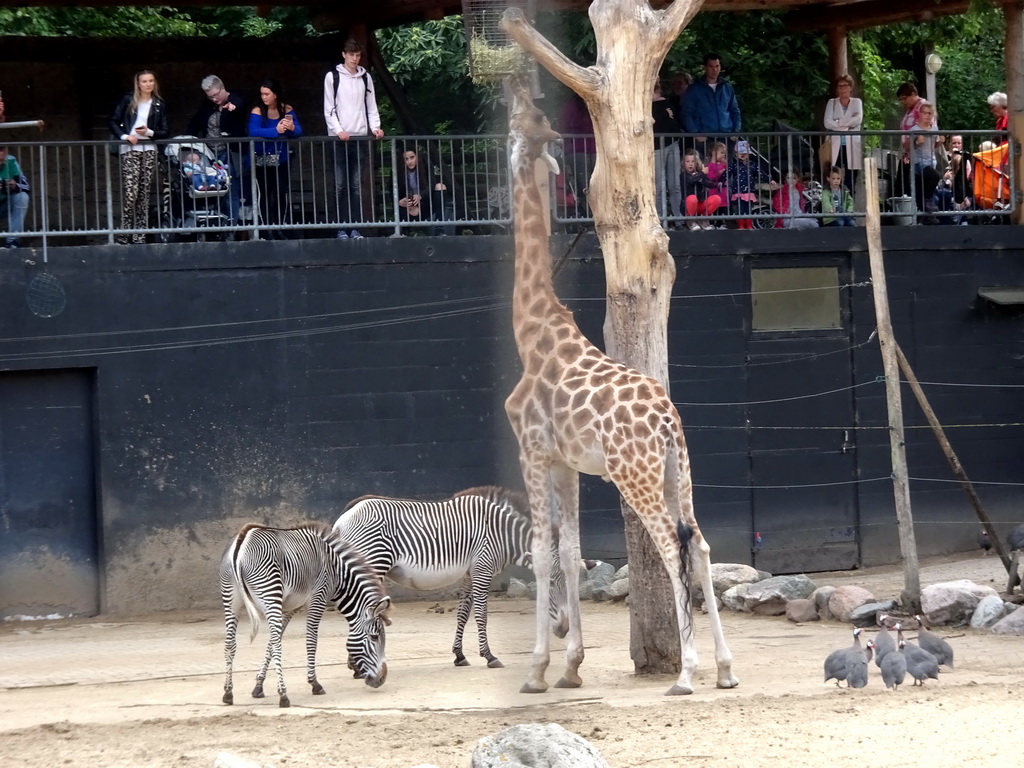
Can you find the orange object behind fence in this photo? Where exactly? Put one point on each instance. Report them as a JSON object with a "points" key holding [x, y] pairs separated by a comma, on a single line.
{"points": [[991, 183]]}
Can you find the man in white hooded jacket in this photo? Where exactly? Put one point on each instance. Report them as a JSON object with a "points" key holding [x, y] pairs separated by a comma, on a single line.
{"points": [[350, 109]]}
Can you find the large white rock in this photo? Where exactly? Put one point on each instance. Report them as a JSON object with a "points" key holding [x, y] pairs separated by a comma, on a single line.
{"points": [[725, 576], [732, 598], [769, 597], [990, 610], [535, 746], [952, 602]]}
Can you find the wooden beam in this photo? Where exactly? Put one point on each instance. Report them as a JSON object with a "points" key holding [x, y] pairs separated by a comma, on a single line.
{"points": [[871, 13], [837, 53], [911, 595], [1013, 13]]}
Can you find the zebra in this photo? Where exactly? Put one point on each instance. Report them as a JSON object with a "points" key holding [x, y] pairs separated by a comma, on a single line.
{"points": [[428, 545], [275, 572]]}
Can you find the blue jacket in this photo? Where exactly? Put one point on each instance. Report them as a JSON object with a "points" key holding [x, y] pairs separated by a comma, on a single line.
{"points": [[711, 111]]}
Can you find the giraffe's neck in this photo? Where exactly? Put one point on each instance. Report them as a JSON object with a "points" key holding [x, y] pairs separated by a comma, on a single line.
{"points": [[536, 309]]}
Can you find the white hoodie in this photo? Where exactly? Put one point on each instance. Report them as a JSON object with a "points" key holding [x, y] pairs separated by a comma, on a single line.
{"points": [[355, 103]]}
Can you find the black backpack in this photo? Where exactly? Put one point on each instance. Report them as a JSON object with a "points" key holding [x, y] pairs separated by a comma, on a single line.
{"points": [[366, 93]]}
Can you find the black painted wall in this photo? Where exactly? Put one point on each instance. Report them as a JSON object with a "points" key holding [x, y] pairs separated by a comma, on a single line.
{"points": [[276, 381]]}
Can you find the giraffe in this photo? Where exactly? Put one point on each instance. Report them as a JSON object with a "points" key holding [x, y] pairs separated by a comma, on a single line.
{"points": [[577, 410]]}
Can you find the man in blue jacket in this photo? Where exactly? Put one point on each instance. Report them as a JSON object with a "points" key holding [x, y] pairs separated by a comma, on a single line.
{"points": [[710, 110]]}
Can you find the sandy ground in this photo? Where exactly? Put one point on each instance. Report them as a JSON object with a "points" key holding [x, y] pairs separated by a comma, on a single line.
{"points": [[146, 692]]}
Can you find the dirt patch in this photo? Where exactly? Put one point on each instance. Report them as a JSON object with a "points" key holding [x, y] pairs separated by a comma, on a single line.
{"points": [[146, 692]]}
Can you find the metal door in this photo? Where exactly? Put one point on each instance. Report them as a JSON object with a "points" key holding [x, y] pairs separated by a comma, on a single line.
{"points": [[802, 447], [48, 550]]}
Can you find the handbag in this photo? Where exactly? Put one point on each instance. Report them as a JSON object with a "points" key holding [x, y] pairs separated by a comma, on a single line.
{"points": [[268, 161]]}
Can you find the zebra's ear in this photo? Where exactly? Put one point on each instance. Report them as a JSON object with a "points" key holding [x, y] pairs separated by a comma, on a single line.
{"points": [[379, 610]]}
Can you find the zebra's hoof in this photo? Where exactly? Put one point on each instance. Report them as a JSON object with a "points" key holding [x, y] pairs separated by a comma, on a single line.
{"points": [[530, 688], [318, 690], [285, 702], [257, 692], [229, 697], [679, 690], [567, 683], [461, 662], [495, 664]]}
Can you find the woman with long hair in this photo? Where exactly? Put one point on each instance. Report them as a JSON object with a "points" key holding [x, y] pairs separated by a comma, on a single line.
{"points": [[274, 121], [138, 120]]}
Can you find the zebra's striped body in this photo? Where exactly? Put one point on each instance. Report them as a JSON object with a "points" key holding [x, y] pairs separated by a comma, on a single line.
{"points": [[275, 572], [427, 545]]}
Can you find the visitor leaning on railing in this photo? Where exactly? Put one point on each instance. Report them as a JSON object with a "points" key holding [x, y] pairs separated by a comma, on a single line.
{"points": [[74, 189]]}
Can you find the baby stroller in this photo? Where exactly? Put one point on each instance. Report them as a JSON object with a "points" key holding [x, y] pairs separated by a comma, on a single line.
{"points": [[991, 183], [184, 203]]}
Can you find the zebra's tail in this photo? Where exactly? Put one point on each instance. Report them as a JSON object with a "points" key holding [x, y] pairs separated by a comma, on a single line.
{"points": [[254, 613]]}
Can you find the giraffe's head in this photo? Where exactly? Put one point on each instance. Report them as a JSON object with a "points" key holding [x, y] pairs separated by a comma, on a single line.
{"points": [[529, 131]]}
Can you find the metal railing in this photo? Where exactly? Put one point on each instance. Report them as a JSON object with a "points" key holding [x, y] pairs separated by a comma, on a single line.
{"points": [[76, 188]]}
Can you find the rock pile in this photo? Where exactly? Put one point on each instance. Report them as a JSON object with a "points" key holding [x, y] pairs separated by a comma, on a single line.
{"points": [[744, 589]]}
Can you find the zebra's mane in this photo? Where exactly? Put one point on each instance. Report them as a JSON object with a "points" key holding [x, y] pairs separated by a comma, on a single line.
{"points": [[502, 497], [308, 525], [378, 497]]}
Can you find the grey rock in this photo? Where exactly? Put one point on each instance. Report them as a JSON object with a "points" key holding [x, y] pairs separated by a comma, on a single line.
{"points": [[618, 589], [820, 597], [1010, 625], [801, 610], [536, 746], [990, 610], [601, 575], [867, 615], [952, 602], [733, 598], [844, 600], [762, 575], [586, 590], [517, 588], [726, 576], [622, 573], [769, 597]]}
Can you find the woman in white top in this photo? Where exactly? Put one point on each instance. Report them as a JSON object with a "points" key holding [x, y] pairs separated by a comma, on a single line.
{"points": [[138, 119], [844, 115]]}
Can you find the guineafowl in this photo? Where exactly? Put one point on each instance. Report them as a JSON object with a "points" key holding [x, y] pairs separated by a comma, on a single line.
{"points": [[1015, 540], [935, 645], [884, 644], [894, 667], [920, 664], [838, 663], [857, 665], [984, 542]]}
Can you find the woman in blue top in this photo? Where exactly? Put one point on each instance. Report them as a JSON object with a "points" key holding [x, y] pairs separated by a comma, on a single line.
{"points": [[275, 120]]}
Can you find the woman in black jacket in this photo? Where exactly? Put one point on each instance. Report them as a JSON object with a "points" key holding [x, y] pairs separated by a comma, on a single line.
{"points": [[139, 119]]}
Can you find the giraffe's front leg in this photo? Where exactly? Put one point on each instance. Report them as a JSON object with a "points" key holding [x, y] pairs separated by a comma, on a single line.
{"points": [[566, 485]]}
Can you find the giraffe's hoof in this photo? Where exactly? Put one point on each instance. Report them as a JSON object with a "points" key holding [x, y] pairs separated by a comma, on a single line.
{"points": [[568, 682], [257, 692], [285, 701], [461, 662], [679, 690], [495, 664], [531, 688], [729, 682], [229, 697]]}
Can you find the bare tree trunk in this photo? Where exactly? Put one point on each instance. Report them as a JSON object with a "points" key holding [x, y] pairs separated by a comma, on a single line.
{"points": [[632, 40]]}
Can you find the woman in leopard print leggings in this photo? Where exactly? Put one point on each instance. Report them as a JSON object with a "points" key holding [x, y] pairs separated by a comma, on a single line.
{"points": [[139, 118]]}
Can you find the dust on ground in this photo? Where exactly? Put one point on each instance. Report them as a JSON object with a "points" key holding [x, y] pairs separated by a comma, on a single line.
{"points": [[105, 692]]}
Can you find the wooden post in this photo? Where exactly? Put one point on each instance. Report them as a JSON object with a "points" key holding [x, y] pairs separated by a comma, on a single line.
{"points": [[951, 457], [1013, 13], [911, 596], [837, 52]]}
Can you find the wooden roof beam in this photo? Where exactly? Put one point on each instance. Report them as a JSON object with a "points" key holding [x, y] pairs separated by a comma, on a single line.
{"points": [[872, 13]]}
